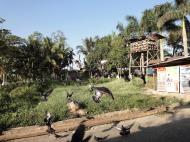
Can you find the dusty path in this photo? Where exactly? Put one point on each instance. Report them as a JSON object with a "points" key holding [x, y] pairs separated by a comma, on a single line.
{"points": [[173, 127]]}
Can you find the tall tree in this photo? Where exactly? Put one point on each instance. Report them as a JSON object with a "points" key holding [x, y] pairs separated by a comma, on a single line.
{"points": [[180, 10]]}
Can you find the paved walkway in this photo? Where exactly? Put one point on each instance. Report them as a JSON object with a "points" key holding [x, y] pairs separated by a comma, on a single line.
{"points": [[171, 127]]}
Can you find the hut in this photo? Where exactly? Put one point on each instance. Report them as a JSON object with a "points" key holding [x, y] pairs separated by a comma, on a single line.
{"points": [[145, 51]]}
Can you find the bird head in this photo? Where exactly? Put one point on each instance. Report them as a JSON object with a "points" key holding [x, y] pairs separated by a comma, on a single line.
{"points": [[69, 96], [95, 99]]}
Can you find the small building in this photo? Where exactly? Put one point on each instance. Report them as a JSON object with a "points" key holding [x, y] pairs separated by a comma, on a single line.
{"points": [[173, 75], [144, 51]]}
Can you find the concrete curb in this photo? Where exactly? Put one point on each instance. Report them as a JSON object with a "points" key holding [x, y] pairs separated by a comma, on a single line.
{"points": [[72, 124]]}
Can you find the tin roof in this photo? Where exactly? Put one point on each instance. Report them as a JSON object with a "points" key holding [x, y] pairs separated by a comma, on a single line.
{"points": [[173, 61]]}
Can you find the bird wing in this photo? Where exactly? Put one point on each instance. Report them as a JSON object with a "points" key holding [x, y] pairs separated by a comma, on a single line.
{"points": [[118, 128], [105, 90]]}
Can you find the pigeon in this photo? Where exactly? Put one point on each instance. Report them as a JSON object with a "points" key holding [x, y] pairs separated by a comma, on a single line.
{"points": [[49, 120], [75, 107], [124, 131], [99, 91]]}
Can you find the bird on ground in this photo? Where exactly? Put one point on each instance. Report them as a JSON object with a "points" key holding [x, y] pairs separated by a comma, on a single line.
{"points": [[99, 91], [124, 131], [49, 120], [99, 139]]}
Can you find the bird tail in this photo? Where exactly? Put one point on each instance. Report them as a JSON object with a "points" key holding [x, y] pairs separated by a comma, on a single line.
{"points": [[112, 96]]}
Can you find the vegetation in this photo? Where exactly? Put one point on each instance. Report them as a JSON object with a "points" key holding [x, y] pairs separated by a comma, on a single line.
{"points": [[28, 65], [22, 106]]}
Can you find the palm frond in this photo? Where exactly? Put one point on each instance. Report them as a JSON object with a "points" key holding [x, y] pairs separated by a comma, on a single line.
{"points": [[173, 15]]}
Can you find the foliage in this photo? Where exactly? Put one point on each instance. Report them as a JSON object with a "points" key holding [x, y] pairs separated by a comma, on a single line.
{"points": [[34, 58], [17, 101], [22, 112]]}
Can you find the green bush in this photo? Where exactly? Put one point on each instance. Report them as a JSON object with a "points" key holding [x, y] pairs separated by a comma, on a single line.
{"points": [[138, 82]]}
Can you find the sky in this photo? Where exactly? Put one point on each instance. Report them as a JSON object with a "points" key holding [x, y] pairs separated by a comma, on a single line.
{"points": [[77, 19]]}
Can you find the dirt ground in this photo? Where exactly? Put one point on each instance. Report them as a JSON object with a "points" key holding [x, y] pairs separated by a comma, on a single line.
{"points": [[172, 126], [184, 97]]}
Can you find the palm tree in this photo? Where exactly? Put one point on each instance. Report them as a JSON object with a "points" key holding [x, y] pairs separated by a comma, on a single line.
{"points": [[87, 47], [179, 12], [133, 26], [148, 21], [131, 30]]}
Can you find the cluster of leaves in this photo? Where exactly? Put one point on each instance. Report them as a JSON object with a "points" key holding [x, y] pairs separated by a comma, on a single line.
{"points": [[33, 58], [110, 48]]}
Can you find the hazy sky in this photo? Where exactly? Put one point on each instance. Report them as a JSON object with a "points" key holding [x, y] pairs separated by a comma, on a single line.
{"points": [[76, 18]]}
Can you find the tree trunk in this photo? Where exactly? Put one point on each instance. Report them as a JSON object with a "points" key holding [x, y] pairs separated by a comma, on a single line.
{"points": [[184, 35]]}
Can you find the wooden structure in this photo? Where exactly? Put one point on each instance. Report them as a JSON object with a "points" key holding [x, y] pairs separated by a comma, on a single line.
{"points": [[144, 51]]}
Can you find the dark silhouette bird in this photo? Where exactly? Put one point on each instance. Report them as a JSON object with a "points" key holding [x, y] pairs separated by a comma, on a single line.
{"points": [[99, 91], [124, 131], [79, 134], [49, 120], [99, 139], [75, 107]]}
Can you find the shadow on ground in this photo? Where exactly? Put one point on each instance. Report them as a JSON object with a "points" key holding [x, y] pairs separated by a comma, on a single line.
{"points": [[176, 131]]}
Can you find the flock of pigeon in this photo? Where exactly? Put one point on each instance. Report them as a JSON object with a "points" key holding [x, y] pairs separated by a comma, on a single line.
{"points": [[74, 107]]}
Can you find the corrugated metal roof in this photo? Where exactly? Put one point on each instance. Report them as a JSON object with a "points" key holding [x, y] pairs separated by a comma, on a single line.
{"points": [[173, 61]]}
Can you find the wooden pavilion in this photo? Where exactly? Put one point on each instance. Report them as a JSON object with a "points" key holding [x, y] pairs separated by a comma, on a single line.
{"points": [[144, 51]]}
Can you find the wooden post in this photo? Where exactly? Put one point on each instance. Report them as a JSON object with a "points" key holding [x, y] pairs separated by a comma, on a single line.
{"points": [[161, 50], [142, 64], [147, 64], [130, 56]]}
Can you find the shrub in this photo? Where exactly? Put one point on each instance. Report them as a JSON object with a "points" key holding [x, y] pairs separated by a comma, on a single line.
{"points": [[138, 82]]}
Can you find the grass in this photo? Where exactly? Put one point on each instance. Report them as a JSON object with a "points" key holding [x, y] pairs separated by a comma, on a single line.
{"points": [[128, 95]]}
